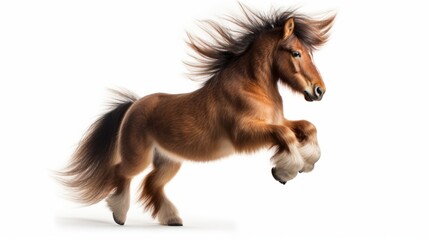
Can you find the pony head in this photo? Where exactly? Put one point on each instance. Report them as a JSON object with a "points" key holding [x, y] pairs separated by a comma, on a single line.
{"points": [[293, 58]]}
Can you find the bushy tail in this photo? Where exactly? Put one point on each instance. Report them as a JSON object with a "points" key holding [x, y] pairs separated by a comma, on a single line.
{"points": [[91, 173]]}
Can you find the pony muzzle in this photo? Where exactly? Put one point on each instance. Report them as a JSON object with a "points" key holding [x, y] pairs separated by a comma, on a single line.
{"points": [[315, 95]]}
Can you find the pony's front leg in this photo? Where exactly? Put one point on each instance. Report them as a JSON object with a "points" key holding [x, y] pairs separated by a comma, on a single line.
{"points": [[251, 135], [287, 163], [308, 147]]}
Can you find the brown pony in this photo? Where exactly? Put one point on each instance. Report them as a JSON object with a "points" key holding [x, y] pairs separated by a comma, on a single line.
{"points": [[238, 109]]}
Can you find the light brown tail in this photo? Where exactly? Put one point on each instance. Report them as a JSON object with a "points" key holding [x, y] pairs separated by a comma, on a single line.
{"points": [[91, 173]]}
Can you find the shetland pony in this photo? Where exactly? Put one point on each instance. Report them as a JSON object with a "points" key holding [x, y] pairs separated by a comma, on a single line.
{"points": [[238, 109]]}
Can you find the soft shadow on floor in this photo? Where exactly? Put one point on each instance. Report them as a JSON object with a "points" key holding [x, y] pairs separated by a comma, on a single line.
{"points": [[192, 224], [83, 222], [98, 223]]}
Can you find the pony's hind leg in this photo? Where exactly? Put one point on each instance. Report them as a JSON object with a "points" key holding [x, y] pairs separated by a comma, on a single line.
{"points": [[153, 195], [119, 201], [135, 155], [309, 149]]}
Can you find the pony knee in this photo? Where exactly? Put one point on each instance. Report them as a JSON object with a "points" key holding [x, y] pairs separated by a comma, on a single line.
{"points": [[305, 131], [306, 126]]}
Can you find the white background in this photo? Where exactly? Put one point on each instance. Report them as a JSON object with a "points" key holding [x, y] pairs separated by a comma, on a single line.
{"points": [[57, 58]]}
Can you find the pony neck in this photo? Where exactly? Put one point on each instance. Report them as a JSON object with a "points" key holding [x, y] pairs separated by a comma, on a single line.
{"points": [[259, 62], [252, 70]]}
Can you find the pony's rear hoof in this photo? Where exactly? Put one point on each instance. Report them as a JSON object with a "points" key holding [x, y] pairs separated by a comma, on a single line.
{"points": [[273, 172], [117, 220], [175, 224], [173, 221]]}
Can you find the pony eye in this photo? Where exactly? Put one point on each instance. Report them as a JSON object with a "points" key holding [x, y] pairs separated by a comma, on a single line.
{"points": [[296, 54]]}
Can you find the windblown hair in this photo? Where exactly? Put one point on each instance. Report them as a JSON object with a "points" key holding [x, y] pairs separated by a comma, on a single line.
{"points": [[227, 44]]}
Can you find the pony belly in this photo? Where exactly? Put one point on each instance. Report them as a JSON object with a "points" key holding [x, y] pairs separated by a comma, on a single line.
{"points": [[221, 149]]}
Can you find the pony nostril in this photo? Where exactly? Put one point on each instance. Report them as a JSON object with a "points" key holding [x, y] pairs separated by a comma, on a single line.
{"points": [[318, 91]]}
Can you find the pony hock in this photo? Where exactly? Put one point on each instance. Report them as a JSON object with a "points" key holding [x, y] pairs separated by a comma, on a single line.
{"points": [[238, 109]]}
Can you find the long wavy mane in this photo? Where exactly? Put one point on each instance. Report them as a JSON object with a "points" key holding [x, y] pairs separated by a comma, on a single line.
{"points": [[227, 44]]}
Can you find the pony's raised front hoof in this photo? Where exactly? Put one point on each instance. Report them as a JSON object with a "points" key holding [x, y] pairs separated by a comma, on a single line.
{"points": [[273, 172], [117, 220]]}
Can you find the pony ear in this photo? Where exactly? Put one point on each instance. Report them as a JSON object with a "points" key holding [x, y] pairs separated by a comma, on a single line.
{"points": [[288, 28]]}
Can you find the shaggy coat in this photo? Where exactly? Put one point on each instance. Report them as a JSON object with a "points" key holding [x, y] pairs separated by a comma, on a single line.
{"points": [[238, 110]]}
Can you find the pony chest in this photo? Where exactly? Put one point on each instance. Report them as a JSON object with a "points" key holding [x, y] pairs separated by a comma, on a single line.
{"points": [[268, 113]]}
